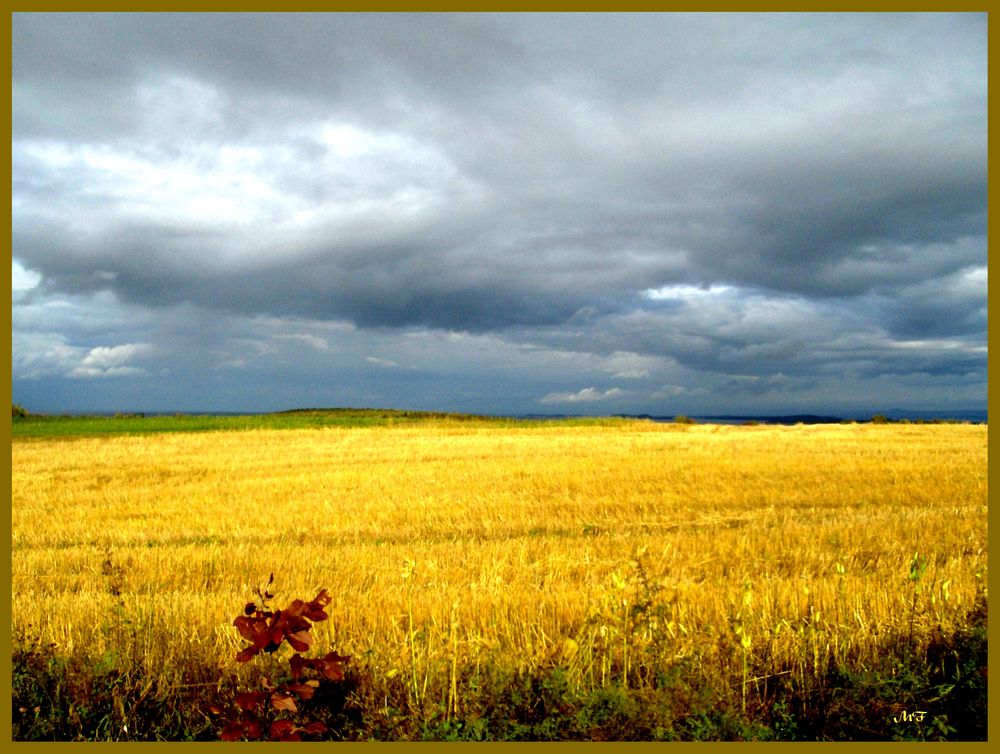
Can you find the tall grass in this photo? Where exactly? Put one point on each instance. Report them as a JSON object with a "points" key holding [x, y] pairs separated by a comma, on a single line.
{"points": [[605, 559]]}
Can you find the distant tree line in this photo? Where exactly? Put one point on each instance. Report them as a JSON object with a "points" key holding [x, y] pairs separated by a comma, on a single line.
{"points": [[883, 419]]}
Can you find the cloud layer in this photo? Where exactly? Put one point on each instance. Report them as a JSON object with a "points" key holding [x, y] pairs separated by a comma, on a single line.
{"points": [[753, 210]]}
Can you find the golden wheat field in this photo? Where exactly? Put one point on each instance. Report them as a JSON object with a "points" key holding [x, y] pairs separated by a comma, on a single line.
{"points": [[455, 549]]}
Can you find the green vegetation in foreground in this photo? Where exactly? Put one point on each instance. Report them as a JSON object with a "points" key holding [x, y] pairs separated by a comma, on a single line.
{"points": [[69, 698], [28, 425]]}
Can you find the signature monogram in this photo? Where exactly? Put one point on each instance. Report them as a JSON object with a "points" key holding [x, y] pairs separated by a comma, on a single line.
{"points": [[917, 716]]}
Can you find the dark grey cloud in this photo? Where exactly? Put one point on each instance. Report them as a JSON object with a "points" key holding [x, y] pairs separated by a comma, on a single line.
{"points": [[523, 177]]}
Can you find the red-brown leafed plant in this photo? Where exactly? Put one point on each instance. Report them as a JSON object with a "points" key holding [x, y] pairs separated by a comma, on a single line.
{"points": [[257, 714]]}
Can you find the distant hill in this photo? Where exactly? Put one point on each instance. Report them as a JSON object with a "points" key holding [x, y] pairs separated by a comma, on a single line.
{"points": [[970, 415], [381, 413], [780, 419]]}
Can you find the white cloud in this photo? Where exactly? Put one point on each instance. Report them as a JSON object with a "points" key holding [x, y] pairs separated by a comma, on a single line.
{"points": [[316, 342], [631, 374], [37, 354], [587, 395], [686, 292], [105, 361], [40, 354], [22, 279], [381, 362]]}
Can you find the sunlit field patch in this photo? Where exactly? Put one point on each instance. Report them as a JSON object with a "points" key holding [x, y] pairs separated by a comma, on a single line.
{"points": [[536, 581]]}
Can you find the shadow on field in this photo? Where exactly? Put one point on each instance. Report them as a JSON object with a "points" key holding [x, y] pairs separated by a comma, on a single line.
{"points": [[935, 693]]}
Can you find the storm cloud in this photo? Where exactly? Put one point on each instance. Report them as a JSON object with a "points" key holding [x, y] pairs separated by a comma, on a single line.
{"points": [[637, 212]]}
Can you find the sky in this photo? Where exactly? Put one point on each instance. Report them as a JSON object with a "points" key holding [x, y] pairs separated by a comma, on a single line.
{"points": [[500, 214]]}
